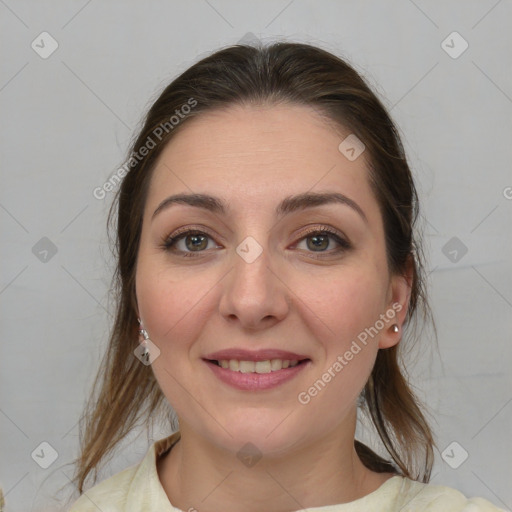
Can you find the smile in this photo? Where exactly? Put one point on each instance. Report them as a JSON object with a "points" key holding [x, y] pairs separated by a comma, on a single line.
{"points": [[270, 365], [256, 375]]}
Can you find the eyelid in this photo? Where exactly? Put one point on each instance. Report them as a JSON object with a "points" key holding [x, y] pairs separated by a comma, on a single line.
{"points": [[187, 229], [319, 228]]}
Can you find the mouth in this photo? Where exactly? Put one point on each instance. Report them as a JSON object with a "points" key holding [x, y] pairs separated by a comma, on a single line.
{"points": [[256, 376], [258, 367]]}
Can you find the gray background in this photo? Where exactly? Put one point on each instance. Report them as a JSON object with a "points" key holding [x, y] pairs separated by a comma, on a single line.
{"points": [[68, 119]]}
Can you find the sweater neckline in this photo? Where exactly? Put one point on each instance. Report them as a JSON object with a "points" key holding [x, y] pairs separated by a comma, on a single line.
{"points": [[163, 446]]}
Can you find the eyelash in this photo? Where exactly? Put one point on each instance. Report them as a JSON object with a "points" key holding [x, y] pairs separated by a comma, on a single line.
{"points": [[169, 242]]}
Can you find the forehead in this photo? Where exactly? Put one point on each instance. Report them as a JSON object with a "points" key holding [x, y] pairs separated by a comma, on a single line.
{"points": [[256, 154]]}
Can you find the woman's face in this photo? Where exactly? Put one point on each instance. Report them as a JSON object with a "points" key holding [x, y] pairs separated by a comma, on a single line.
{"points": [[265, 275]]}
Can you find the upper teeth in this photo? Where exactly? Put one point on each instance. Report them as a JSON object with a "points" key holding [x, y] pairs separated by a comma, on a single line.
{"points": [[268, 366]]}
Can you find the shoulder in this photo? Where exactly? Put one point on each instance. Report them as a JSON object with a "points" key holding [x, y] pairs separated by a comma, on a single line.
{"points": [[109, 495], [417, 496], [134, 489]]}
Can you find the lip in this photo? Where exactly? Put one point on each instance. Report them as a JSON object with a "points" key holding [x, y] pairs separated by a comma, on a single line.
{"points": [[256, 381], [254, 355]]}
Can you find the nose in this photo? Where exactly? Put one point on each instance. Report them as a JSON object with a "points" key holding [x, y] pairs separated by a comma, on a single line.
{"points": [[254, 295]]}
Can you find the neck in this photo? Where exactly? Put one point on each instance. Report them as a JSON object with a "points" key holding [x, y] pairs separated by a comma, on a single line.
{"points": [[197, 475]]}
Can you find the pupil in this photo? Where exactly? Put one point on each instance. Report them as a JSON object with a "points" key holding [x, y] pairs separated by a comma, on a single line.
{"points": [[196, 242], [319, 242]]}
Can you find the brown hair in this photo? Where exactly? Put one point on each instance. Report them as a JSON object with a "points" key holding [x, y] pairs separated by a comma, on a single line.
{"points": [[126, 391]]}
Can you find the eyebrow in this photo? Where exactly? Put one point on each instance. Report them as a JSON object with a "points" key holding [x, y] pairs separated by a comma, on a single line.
{"points": [[286, 206]]}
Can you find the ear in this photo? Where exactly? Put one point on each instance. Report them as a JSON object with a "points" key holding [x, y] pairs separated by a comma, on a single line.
{"points": [[399, 295]]}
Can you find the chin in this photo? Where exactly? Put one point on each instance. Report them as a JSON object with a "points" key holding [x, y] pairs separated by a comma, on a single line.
{"points": [[254, 430]]}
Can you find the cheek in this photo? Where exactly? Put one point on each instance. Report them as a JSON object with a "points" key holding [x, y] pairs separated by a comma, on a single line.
{"points": [[171, 303], [173, 306], [344, 304]]}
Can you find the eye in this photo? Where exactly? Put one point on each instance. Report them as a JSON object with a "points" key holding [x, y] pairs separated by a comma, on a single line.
{"points": [[192, 242], [323, 240], [188, 242]]}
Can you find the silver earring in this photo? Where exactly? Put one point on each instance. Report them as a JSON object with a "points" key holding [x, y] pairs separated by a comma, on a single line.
{"points": [[395, 328], [143, 339]]}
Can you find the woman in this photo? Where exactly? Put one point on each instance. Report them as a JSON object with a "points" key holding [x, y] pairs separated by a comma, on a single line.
{"points": [[267, 265]]}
